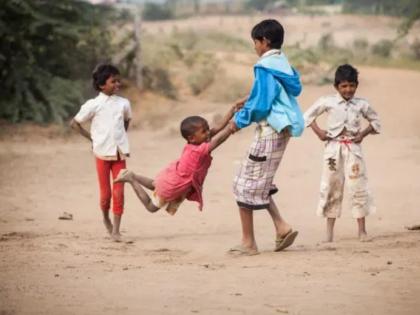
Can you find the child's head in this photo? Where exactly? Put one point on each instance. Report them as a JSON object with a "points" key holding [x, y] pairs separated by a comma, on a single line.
{"points": [[106, 78], [267, 34], [346, 81], [195, 130]]}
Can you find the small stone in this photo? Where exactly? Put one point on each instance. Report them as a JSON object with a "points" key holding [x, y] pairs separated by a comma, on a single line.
{"points": [[389, 262]]}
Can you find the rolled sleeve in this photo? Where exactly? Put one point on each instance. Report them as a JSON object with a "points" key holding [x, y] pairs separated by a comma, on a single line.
{"points": [[372, 116], [314, 111], [86, 112]]}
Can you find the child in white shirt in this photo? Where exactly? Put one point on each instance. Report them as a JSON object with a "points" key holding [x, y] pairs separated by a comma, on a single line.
{"points": [[343, 159], [110, 117]]}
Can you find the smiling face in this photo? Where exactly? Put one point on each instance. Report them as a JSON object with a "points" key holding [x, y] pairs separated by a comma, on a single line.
{"points": [[346, 89], [201, 134], [112, 85]]}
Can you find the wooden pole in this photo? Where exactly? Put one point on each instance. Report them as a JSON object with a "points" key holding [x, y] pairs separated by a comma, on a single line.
{"points": [[138, 59]]}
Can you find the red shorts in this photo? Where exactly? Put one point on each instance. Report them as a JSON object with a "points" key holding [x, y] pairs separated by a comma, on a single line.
{"points": [[105, 169]]}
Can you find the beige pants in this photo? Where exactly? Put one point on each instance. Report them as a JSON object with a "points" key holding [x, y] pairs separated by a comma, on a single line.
{"points": [[343, 163]]}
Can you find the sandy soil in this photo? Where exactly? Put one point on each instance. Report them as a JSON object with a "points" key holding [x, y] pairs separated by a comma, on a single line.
{"points": [[179, 265]]}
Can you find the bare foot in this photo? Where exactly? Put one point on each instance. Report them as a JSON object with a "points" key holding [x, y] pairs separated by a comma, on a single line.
{"points": [[363, 237], [124, 176], [108, 225], [116, 237]]}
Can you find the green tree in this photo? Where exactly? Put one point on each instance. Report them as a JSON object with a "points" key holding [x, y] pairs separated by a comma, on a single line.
{"points": [[47, 49]]}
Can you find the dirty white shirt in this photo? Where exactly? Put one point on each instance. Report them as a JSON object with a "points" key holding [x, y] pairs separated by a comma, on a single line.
{"points": [[108, 114], [343, 114]]}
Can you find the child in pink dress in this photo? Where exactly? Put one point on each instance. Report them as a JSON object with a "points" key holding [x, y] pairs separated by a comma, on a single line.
{"points": [[183, 178]]}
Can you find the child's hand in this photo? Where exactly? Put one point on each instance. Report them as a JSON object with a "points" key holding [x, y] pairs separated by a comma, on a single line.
{"points": [[232, 127], [240, 102], [322, 135], [358, 138]]}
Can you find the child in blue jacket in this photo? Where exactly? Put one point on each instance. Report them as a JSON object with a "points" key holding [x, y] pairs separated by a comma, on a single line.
{"points": [[273, 107]]}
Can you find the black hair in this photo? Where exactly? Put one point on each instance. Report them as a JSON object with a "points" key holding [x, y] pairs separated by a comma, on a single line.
{"points": [[347, 73], [271, 30], [190, 125], [102, 73]]}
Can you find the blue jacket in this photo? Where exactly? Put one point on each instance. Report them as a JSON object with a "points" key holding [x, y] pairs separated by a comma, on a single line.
{"points": [[273, 97]]}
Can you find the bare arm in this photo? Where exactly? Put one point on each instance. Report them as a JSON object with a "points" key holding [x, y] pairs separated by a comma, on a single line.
{"points": [[322, 134], [360, 136], [78, 127], [238, 105], [220, 137], [126, 124]]}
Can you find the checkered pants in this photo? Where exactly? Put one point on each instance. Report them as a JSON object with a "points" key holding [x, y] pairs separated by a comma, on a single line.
{"points": [[253, 184]]}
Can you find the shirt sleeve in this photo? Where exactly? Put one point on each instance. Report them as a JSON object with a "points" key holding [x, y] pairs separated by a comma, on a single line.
{"points": [[86, 112], [372, 116], [127, 111], [258, 106], [314, 111]]}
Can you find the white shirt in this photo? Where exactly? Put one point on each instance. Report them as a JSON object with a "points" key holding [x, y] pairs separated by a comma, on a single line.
{"points": [[108, 114], [343, 114]]}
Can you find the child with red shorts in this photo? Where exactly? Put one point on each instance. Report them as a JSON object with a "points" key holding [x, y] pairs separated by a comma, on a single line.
{"points": [[110, 116]]}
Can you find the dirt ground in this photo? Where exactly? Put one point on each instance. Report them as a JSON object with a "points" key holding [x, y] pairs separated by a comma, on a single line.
{"points": [[179, 265]]}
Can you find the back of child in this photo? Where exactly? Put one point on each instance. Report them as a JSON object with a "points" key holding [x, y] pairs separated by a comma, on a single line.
{"points": [[343, 158], [109, 115]]}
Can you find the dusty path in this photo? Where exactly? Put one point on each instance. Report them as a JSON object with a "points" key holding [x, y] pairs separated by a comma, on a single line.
{"points": [[178, 265]]}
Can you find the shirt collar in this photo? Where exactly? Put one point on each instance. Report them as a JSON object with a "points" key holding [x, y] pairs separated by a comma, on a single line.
{"points": [[271, 52], [340, 99], [102, 96]]}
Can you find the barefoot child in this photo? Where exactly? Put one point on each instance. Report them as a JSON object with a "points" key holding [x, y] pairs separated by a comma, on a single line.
{"points": [[272, 105], [110, 116], [343, 159], [183, 178]]}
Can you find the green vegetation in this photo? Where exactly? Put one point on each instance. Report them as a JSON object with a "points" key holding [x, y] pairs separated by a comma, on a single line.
{"points": [[47, 49]]}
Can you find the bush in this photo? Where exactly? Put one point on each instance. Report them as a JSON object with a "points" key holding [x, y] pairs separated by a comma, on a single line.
{"points": [[382, 48], [326, 42], [360, 44], [158, 80], [155, 12], [202, 77], [415, 48]]}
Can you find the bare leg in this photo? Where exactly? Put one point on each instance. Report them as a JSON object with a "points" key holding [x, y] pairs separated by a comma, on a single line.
{"points": [[116, 236], [107, 221], [363, 237], [144, 181], [281, 226], [247, 221], [330, 230], [143, 196]]}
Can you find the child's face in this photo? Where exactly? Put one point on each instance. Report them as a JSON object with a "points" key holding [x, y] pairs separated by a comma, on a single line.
{"points": [[261, 46], [112, 85], [346, 89], [202, 134]]}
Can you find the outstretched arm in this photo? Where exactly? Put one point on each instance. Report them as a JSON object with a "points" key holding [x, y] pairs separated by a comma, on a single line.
{"points": [[238, 105], [220, 137], [78, 127]]}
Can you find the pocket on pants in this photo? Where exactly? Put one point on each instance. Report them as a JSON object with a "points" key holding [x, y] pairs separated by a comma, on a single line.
{"points": [[255, 166]]}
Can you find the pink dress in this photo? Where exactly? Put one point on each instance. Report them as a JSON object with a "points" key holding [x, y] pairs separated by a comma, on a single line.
{"points": [[185, 176]]}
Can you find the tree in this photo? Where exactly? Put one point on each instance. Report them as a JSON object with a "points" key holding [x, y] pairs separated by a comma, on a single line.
{"points": [[46, 49]]}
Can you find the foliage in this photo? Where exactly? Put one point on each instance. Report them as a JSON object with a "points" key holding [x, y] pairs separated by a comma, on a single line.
{"points": [[387, 7], [258, 4], [46, 49], [155, 12], [382, 48]]}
